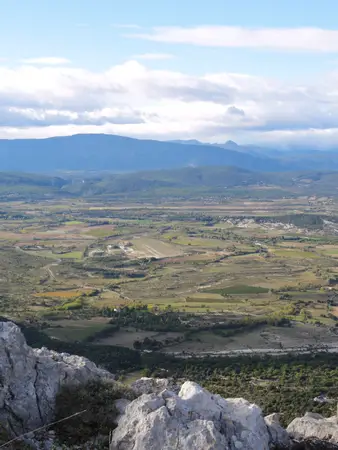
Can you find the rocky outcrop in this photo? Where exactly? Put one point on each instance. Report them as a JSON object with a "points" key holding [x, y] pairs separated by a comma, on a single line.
{"points": [[314, 426], [165, 416], [194, 419], [30, 380], [277, 434], [147, 385]]}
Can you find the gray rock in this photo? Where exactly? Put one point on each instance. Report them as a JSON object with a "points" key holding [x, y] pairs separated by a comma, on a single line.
{"points": [[278, 435], [121, 405], [314, 426], [30, 380], [147, 385], [192, 420]]}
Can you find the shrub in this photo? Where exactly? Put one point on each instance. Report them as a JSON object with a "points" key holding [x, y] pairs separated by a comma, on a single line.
{"points": [[97, 398], [76, 304]]}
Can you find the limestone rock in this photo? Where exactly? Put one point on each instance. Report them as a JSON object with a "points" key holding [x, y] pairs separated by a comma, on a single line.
{"points": [[31, 378], [121, 406], [147, 385], [278, 435], [192, 420], [314, 426]]}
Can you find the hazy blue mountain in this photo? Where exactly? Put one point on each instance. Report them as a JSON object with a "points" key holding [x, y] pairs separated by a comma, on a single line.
{"points": [[250, 149], [189, 142], [100, 152], [119, 154], [295, 157]]}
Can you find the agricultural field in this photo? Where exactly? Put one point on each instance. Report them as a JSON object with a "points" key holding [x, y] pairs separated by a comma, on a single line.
{"points": [[193, 276]]}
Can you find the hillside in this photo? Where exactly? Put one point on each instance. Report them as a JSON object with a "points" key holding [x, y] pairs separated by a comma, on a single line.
{"points": [[27, 185], [187, 182]]}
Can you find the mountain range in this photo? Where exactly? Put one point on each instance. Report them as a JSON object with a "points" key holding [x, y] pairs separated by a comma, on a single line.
{"points": [[100, 152]]}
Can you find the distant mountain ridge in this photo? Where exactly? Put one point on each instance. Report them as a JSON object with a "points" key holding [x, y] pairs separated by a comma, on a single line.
{"points": [[289, 153], [102, 152], [118, 153]]}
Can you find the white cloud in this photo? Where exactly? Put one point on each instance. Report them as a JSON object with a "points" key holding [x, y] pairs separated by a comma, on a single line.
{"points": [[300, 39], [46, 61], [133, 100], [154, 56]]}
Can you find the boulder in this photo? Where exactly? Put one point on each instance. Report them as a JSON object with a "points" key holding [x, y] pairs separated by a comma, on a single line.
{"points": [[314, 426], [192, 420], [147, 385], [278, 435], [121, 406], [31, 378]]}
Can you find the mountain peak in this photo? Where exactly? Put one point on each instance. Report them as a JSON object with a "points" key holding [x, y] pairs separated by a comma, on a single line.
{"points": [[231, 144]]}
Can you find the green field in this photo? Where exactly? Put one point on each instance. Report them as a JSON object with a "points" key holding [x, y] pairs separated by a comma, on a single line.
{"points": [[100, 232], [295, 254], [77, 330], [240, 290], [209, 263]]}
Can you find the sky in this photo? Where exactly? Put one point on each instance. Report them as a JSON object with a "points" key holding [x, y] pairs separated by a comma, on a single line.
{"points": [[259, 72]]}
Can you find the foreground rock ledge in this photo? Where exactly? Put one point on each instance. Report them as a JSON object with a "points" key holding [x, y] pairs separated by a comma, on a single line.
{"points": [[31, 378], [165, 416], [195, 419]]}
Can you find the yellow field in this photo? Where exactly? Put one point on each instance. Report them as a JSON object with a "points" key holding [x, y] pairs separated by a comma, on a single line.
{"points": [[72, 293]]}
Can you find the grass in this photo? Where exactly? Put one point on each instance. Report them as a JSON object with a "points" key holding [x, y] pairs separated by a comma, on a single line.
{"points": [[201, 296], [295, 254], [184, 240], [131, 377], [73, 222], [333, 252], [69, 306], [100, 232], [64, 293], [71, 255], [239, 290], [76, 330], [50, 254]]}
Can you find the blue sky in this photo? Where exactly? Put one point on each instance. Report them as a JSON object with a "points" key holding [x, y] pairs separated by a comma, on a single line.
{"points": [[126, 67], [85, 32]]}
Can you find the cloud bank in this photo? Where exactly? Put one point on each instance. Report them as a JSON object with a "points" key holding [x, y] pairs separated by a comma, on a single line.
{"points": [[288, 39], [133, 100]]}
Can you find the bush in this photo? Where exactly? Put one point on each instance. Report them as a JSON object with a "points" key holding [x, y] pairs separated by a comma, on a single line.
{"points": [[97, 398], [76, 304]]}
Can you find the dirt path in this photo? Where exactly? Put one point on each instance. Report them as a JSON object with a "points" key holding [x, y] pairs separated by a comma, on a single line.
{"points": [[49, 270], [331, 348]]}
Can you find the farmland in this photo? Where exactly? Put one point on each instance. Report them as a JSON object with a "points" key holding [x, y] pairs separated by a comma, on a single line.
{"points": [[73, 265], [230, 293]]}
